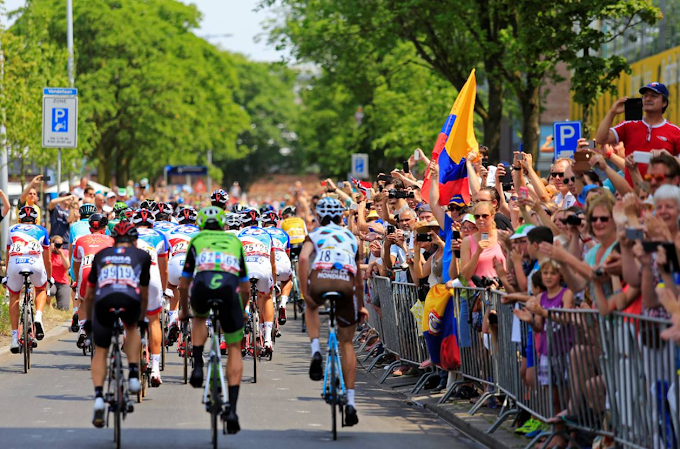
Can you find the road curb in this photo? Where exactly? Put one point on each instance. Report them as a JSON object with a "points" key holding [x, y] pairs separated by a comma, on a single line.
{"points": [[52, 334]]}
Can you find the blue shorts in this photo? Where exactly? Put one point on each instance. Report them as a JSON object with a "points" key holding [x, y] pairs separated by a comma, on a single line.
{"points": [[530, 349]]}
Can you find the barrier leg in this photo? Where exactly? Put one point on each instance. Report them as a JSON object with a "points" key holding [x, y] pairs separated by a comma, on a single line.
{"points": [[501, 419], [450, 391], [389, 369], [423, 380], [376, 361], [482, 399], [369, 336]]}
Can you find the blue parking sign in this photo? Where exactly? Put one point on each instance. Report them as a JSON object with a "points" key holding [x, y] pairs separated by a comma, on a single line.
{"points": [[566, 135], [360, 165], [60, 120]]}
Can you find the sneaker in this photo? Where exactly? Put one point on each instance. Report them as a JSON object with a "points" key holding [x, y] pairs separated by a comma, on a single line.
{"points": [[315, 369], [74, 323], [246, 328], [173, 333], [99, 410], [535, 433], [223, 347], [134, 385], [233, 426], [282, 316], [529, 426], [82, 336], [14, 345], [351, 417], [196, 379], [39, 332], [156, 378]]}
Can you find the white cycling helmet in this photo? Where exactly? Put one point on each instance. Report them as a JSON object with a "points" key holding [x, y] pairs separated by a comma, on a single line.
{"points": [[329, 207], [233, 220]]}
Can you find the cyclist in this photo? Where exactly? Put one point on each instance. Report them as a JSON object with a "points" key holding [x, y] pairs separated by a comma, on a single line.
{"points": [[333, 268], [215, 268], [80, 227], [219, 198], [117, 209], [233, 223], [261, 262], [157, 245], [27, 249], [163, 216], [119, 278], [295, 227], [85, 249], [178, 239], [281, 242]]}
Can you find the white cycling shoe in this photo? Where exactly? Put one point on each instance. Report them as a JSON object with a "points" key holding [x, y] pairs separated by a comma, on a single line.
{"points": [[134, 385], [99, 412]]}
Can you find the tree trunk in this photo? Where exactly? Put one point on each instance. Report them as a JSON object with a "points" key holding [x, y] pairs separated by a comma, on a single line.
{"points": [[531, 108], [492, 123], [585, 120]]}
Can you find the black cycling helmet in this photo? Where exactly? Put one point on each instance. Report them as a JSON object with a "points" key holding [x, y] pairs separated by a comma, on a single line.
{"points": [[143, 217], [98, 223], [187, 215], [124, 231], [87, 209], [219, 198], [163, 211], [288, 211], [148, 204], [28, 214], [250, 217], [270, 217]]}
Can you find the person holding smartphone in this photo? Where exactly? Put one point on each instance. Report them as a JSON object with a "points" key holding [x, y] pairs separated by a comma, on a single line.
{"points": [[60, 211], [477, 252], [61, 290], [29, 197]]}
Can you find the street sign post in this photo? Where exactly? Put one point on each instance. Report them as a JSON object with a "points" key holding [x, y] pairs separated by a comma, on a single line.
{"points": [[566, 135], [360, 165], [60, 118]]}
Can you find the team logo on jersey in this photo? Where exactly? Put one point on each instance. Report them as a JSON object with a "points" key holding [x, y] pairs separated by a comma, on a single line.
{"points": [[662, 138]]}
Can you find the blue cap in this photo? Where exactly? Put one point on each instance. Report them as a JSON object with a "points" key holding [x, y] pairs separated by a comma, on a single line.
{"points": [[458, 200], [656, 87], [584, 193]]}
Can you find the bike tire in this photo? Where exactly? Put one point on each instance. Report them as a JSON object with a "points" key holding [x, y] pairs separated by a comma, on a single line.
{"points": [[118, 409], [215, 403], [255, 331], [140, 393], [25, 335], [164, 341], [334, 400], [185, 342]]}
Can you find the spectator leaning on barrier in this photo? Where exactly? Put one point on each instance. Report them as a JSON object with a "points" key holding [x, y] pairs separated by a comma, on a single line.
{"points": [[61, 290]]}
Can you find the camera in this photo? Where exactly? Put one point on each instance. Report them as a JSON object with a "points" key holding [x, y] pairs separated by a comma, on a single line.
{"points": [[58, 245], [423, 238], [394, 193], [391, 229], [573, 220], [483, 282]]}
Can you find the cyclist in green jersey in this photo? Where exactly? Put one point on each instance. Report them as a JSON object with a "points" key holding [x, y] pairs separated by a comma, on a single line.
{"points": [[118, 208], [215, 262]]}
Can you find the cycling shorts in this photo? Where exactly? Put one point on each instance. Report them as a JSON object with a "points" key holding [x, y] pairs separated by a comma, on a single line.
{"points": [[283, 267], [155, 292], [263, 273], [341, 281], [175, 267], [102, 322], [82, 281], [208, 285], [16, 264]]}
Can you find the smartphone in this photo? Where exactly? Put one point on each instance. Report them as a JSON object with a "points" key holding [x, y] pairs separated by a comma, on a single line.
{"points": [[369, 205], [405, 167], [581, 164], [341, 185], [423, 238], [642, 157], [386, 178], [368, 194], [416, 155], [591, 144], [353, 206], [651, 247], [506, 179], [391, 229], [672, 256], [520, 156], [634, 234], [485, 236], [46, 178], [455, 235], [633, 109], [523, 192]]}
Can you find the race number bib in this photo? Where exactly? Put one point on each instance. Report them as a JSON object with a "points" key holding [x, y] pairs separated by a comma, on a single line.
{"points": [[210, 260], [87, 260], [120, 274], [31, 247], [180, 247], [255, 248], [334, 258]]}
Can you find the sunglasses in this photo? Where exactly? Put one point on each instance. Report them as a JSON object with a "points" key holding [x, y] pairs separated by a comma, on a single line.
{"points": [[454, 208], [557, 174], [594, 219], [572, 179], [468, 229], [483, 216], [658, 178]]}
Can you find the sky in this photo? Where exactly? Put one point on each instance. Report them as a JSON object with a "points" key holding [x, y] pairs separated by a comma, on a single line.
{"points": [[235, 17]]}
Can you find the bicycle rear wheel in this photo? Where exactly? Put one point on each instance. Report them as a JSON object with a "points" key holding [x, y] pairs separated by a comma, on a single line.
{"points": [[255, 335], [26, 326], [215, 401], [118, 409], [185, 343], [334, 400], [164, 341]]}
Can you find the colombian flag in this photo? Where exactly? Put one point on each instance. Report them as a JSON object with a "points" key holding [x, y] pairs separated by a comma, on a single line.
{"points": [[456, 139]]}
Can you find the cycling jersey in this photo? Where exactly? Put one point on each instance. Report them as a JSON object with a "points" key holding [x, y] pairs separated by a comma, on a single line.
{"points": [[86, 247], [295, 228], [215, 251], [335, 248], [156, 239], [281, 242], [80, 227], [155, 284], [25, 247], [257, 247], [111, 225], [164, 227], [119, 270], [179, 238]]}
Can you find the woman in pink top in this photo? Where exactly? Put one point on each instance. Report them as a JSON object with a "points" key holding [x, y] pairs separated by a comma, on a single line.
{"points": [[478, 251]]}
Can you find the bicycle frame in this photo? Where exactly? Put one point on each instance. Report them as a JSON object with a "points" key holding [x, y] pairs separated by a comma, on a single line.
{"points": [[333, 365], [215, 362]]}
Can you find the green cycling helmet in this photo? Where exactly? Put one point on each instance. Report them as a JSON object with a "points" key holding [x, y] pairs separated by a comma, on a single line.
{"points": [[211, 215], [118, 207]]}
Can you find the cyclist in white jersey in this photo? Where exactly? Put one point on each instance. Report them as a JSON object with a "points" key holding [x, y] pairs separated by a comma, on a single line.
{"points": [[328, 262], [233, 223], [178, 238], [284, 270], [27, 250], [261, 264]]}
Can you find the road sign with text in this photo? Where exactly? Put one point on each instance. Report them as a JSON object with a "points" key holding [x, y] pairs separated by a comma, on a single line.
{"points": [[60, 117]]}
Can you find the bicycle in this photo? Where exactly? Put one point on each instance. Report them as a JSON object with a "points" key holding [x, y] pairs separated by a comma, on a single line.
{"points": [[117, 393], [185, 349], [144, 364], [254, 336], [26, 329], [334, 391], [214, 395], [298, 300]]}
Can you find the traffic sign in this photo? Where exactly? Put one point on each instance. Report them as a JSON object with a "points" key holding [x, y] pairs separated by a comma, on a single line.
{"points": [[566, 135], [360, 165], [60, 117], [196, 170]]}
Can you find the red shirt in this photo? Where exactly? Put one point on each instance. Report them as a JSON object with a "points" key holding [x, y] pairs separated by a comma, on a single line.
{"points": [[84, 251], [637, 135], [59, 271]]}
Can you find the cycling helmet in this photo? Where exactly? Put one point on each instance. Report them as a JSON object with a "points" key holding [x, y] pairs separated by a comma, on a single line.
{"points": [[87, 209], [250, 216], [237, 208], [163, 211], [211, 217], [98, 222], [28, 214], [186, 215], [143, 217], [148, 204], [119, 207], [270, 217], [288, 211], [264, 209], [124, 231], [329, 207], [126, 214], [233, 220], [219, 198]]}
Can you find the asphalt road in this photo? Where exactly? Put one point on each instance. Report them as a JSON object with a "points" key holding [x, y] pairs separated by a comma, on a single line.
{"points": [[51, 407]]}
